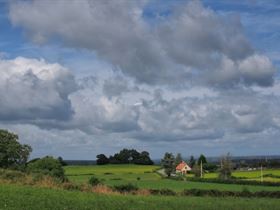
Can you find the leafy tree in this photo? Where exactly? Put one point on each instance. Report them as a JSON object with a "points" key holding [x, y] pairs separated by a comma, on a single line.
{"points": [[144, 159], [168, 163], [102, 159], [178, 159], [192, 161], [226, 167], [202, 159], [130, 156], [47, 166], [196, 170], [62, 162], [12, 153]]}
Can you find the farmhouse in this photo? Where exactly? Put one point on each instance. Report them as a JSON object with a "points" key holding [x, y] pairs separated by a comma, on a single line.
{"points": [[183, 168]]}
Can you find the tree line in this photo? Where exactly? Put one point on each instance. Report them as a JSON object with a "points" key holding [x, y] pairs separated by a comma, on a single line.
{"points": [[125, 156]]}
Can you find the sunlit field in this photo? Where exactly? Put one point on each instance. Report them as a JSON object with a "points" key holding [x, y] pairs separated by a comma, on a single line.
{"points": [[146, 177]]}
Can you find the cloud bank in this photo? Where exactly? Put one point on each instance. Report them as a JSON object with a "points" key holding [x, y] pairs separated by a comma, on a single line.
{"points": [[192, 43], [188, 78]]}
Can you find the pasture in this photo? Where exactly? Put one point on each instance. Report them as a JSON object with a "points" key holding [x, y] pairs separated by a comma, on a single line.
{"points": [[145, 177], [14, 197]]}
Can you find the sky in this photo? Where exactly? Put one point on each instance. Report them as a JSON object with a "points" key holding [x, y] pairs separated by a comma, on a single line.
{"points": [[84, 77]]}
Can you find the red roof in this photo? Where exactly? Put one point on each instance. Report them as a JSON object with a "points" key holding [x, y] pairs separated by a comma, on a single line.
{"points": [[181, 166]]}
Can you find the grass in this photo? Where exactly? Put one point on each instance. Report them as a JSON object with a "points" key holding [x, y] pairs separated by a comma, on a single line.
{"points": [[122, 174], [252, 175], [13, 197]]}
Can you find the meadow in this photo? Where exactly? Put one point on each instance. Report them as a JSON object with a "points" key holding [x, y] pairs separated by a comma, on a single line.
{"points": [[14, 197], [145, 177]]}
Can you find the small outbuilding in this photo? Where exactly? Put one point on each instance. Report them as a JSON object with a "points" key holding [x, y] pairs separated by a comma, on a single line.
{"points": [[183, 168]]}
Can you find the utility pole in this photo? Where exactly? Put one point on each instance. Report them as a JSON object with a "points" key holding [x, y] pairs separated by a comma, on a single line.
{"points": [[201, 169]]}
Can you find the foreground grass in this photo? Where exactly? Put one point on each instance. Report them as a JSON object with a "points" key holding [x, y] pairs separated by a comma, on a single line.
{"points": [[145, 178], [13, 197]]}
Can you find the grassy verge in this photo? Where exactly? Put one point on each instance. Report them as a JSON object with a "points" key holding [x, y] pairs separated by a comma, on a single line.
{"points": [[13, 197]]}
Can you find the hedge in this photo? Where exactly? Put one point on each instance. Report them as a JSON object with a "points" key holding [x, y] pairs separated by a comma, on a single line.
{"points": [[234, 181]]}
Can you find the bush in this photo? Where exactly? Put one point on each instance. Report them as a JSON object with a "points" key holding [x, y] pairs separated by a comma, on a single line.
{"points": [[93, 181], [125, 188], [116, 179], [71, 186], [138, 178], [162, 192], [12, 175], [108, 173], [47, 166]]}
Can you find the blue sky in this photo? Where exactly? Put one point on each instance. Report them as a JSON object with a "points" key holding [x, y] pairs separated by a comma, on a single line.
{"points": [[87, 77]]}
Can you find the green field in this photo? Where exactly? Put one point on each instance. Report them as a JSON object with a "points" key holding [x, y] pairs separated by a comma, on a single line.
{"points": [[252, 175], [13, 197], [145, 177]]}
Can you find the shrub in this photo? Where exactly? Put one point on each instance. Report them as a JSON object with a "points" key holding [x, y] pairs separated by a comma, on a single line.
{"points": [[47, 166], [71, 186], [12, 175], [125, 188], [93, 181], [162, 192], [108, 173], [138, 178], [116, 179]]}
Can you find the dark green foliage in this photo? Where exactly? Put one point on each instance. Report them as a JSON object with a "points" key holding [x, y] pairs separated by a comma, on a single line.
{"points": [[143, 159], [71, 186], [12, 153], [62, 162], [202, 159], [102, 159], [125, 188], [116, 179], [192, 161], [168, 163], [47, 166], [162, 192], [210, 167], [178, 159], [93, 181], [126, 156]]}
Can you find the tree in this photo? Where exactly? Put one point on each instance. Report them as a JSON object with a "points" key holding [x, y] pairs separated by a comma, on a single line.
{"points": [[202, 159], [226, 167], [130, 156], [192, 161], [62, 162], [12, 153], [210, 167], [196, 170], [168, 163], [178, 159], [47, 166], [102, 159], [144, 159]]}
